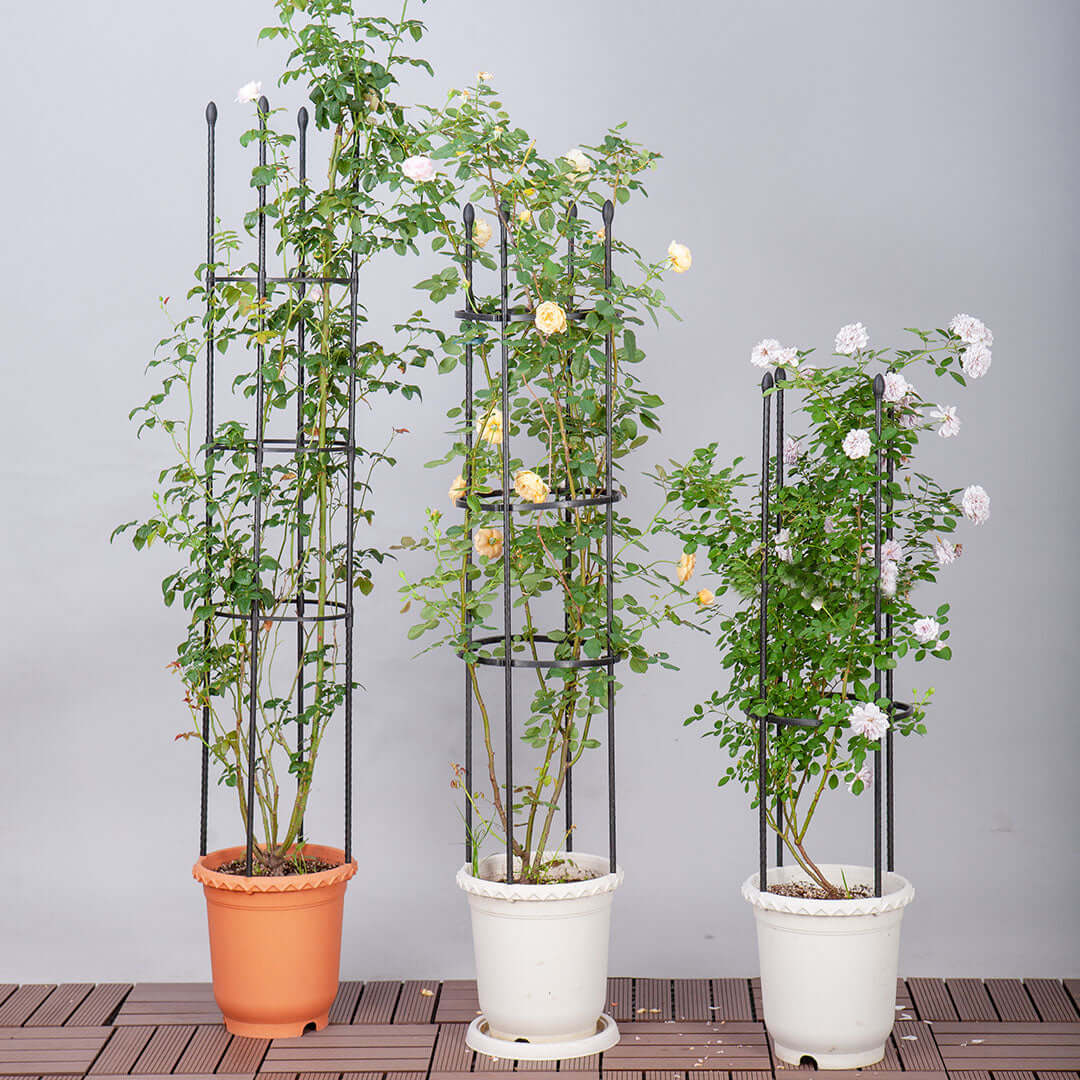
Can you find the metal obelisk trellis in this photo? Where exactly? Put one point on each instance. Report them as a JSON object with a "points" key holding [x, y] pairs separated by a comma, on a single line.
{"points": [[261, 445], [501, 500], [772, 386]]}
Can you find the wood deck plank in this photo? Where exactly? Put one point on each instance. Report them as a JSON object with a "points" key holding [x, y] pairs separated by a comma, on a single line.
{"points": [[692, 999], [916, 1047], [121, 1051], [23, 1002], [416, 1004], [652, 999], [1011, 1000], [377, 1003], [621, 999], [971, 999], [931, 999], [59, 1005], [731, 1000], [243, 1055], [204, 1051], [99, 1005], [164, 1050], [651, 1045], [344, 1007], [1051, 1000], [451, 1055], [458, 1002]]}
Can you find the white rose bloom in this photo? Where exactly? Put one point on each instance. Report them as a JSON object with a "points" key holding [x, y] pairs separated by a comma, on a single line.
{"points": [[891, 550], [889, 574], [971, 330], [419, 168], [787, 357], [944, 552], [976, 504], [857, 443], [896, 387], [868, 720], [817, 603], [950, 422], [926, 630], [976, 360], [481, 232], [762, 355], [865, 775], [579, 163], [851, 338], [679, 257], [249, 92], [783, 546], [792, 450]]}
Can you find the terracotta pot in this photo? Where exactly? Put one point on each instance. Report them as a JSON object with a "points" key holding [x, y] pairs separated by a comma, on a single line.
{"points": [[275, 943]]}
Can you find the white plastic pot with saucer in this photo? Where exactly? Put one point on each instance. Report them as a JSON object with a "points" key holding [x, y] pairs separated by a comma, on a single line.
{"points": [[828, 967], [541, 961]]}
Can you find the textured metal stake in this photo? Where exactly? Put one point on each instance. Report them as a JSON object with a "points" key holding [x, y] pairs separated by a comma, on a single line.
{"points": [[301, 464], [568, 560], [609, 538], [879, 390], [211, 120], [763, 635], [780, 379], [469, 218]]}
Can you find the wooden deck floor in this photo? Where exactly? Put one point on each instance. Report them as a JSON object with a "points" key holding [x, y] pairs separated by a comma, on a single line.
{"points": [[970, 1029]]}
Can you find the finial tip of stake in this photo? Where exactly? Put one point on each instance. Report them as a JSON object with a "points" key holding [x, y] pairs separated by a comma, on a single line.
{"points": [[302, 118], [573, 210], [264, 105], [879, 385], [781, 375], [211, 113], [767, 381], [609, 211], [468, 215]]}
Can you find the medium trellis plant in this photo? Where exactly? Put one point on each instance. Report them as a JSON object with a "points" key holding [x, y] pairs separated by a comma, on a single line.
{"points": [[822, 576], [556, 426]]}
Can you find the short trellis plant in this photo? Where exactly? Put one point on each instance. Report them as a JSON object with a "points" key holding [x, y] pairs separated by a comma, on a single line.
{"points": [[824, 565], [267, 504], [531, 575]]}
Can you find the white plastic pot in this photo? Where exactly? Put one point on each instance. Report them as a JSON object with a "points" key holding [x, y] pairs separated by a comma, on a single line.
{"points": [[541, 961], [828, 967]]}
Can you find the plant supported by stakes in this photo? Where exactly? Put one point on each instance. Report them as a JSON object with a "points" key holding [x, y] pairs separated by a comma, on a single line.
{"points": [[301, 368], [540, 438], [821, 576]]}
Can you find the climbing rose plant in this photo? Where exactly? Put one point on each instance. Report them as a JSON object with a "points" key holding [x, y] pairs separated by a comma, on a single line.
{"points": [[822, 577]]}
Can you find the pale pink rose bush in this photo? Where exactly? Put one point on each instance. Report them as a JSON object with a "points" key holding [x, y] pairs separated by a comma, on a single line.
{"points": [[826, 570]]}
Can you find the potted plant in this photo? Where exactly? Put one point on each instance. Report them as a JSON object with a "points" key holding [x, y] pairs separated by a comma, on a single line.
{"points": [[534, 576], [266, 512], [828, 945]]}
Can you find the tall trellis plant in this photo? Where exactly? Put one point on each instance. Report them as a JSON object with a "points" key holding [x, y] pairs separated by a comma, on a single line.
{"points": [[267, 509], [536, 577]]}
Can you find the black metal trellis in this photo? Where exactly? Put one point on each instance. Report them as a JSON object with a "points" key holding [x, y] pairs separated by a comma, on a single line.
{"points": [[261, 445], [772, 386], [501, 500]]}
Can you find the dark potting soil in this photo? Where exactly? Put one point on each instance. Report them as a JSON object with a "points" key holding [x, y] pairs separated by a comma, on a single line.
{"points": [[556, 874], [290, 868], [807, 890]]}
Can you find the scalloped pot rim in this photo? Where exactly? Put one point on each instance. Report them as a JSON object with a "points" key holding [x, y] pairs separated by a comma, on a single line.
{"points": [[899, 894], [205, 872], [559, 890]]}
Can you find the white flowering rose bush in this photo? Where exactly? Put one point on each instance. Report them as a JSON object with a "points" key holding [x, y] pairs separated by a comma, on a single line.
{"points": [[822, 575], [555, 430]]}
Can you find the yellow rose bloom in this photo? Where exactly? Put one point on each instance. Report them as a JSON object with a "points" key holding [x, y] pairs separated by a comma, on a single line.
{"points": [[490, 427], [488, 543], [530, 487], [679, 258], [481, 232], [550, 318], [524, 216], [457, 488], [484, 76], [705, 597], [686, 568]]}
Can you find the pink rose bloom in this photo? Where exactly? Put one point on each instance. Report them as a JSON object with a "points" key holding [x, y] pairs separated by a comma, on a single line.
{"points": [[976, 360], [418, 168], [868, 720], [865, 776], [926, 630], [763, 354], [976, 504], [857, 443], [889, 575], [896, 387], [792, 451], [950, 422], [944, 552], [851, 338]]}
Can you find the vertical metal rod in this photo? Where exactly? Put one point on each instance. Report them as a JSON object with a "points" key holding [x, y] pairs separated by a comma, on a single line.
{"points": [[469, 218], [211, 120], [889, 863], [350, 528], [763, 631], [508, 682], [568, 520], [256, 532], [301, 465], [879, 389], [609, 534], [781, 378]]}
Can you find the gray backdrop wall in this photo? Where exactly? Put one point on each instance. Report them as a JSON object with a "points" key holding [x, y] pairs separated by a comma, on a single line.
{"points": [[893, 163]]}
